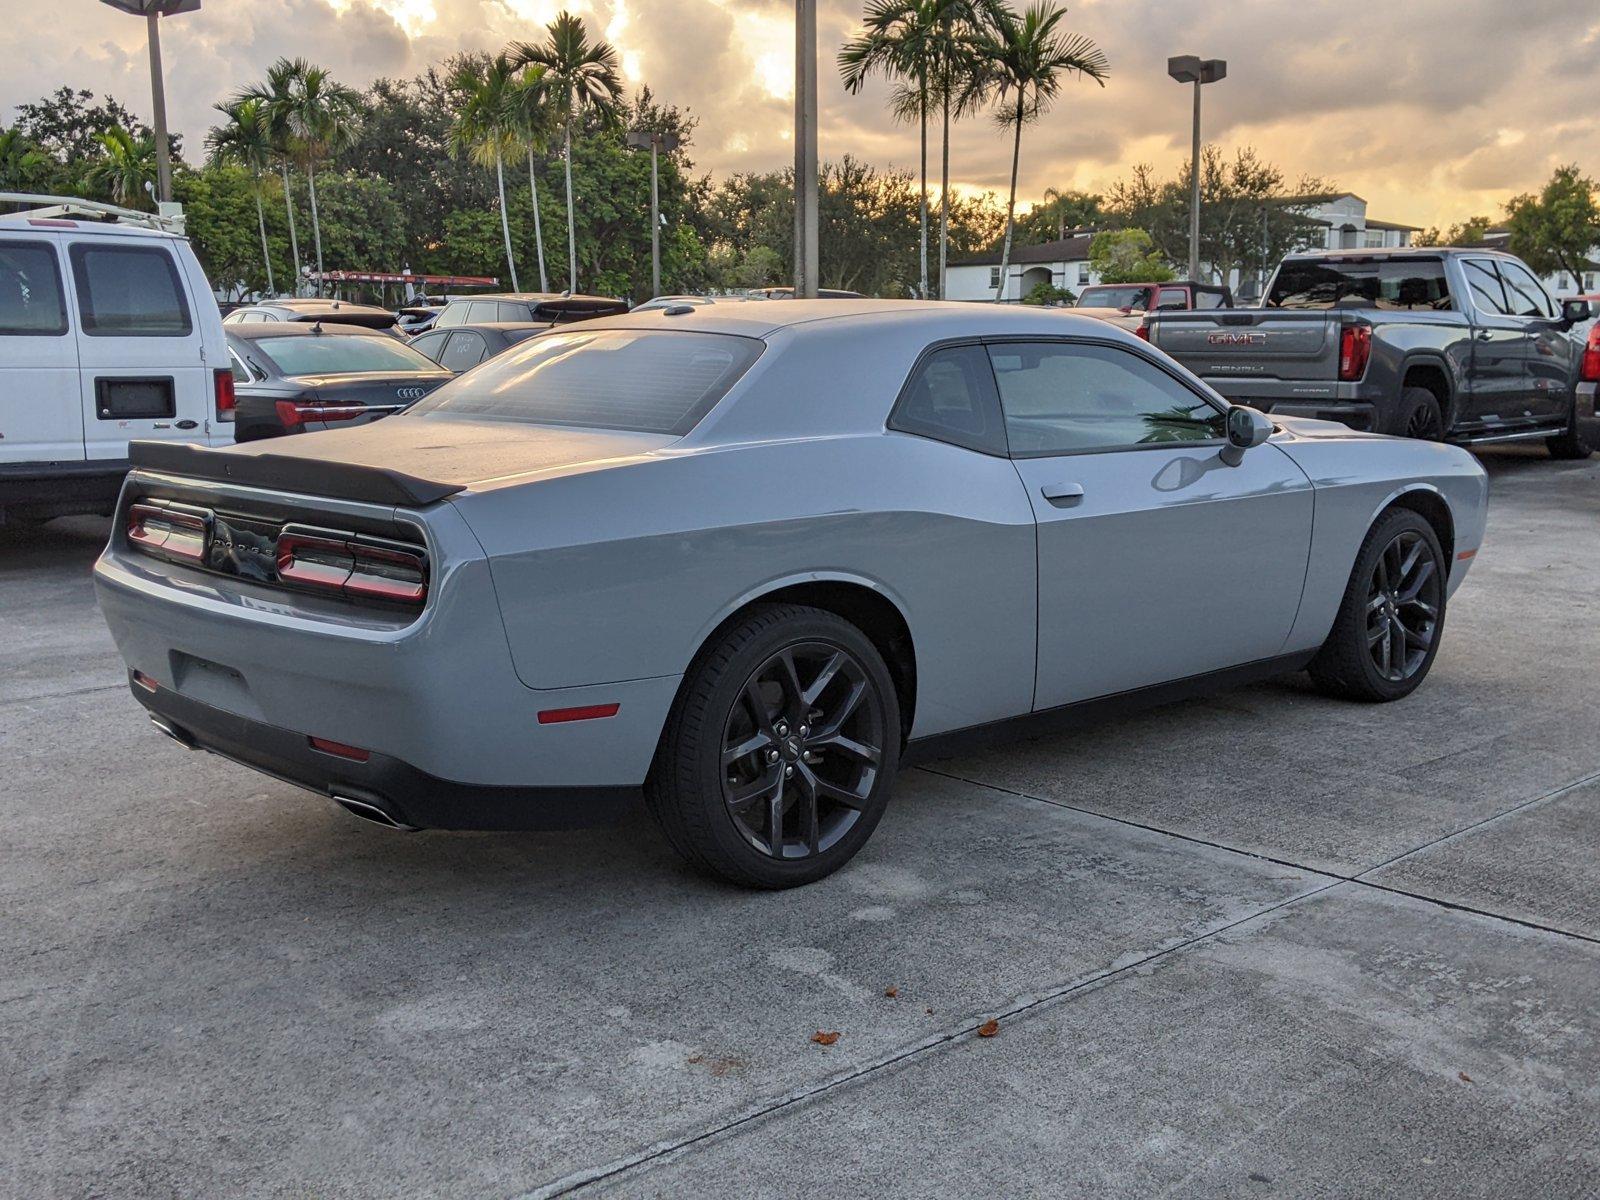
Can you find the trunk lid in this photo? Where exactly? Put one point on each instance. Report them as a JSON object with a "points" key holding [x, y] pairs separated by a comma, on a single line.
{"points": [[375, 389], [1224, 344]]}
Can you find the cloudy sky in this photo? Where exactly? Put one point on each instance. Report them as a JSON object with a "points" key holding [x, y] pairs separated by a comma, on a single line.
{"points": [[1431, 109]]}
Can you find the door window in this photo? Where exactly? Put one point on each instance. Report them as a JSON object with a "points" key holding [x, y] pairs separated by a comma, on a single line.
{"points": [[453, 314], [1172, 298], [31, 299], [1067, 398], [1488, 296], [1524, 292], [513, 312], [950, 397], [465, 351], [129, 291]]}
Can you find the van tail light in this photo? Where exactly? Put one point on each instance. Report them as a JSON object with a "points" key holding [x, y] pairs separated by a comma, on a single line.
{"points": [[359, 570], [222, 384], [1589, 369], [170, 533], [298, 412], [1355, 347]]}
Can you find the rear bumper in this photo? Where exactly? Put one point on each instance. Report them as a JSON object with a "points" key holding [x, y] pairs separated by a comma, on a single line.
{"points": [[408, 796], [45, 483]]}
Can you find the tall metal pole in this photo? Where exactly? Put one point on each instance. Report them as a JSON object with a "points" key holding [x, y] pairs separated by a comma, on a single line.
{"points": [[805, 149], [1194, 193], [159, 94], [655, 222]]}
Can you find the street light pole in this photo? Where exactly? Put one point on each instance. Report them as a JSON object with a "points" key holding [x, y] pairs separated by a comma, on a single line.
{"points": [[152, 11], [805, 149], [639, 139], [1189, 68]]}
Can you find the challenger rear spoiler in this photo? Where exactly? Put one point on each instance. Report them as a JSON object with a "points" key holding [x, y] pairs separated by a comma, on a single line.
{"points": [[291, 473]]}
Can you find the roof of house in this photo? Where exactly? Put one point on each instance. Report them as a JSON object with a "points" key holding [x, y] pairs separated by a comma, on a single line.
{"points": [[1374, 223], [1072, 249]]}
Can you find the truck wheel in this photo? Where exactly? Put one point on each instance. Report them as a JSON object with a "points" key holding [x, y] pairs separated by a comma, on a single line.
{"points": [[1570, 444], [1387, 632], [779, 753], [1418, 416]]}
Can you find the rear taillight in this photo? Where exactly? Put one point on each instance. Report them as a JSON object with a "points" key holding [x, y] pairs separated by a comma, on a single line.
{"points": [[222, 383], [1143, 331], [1355, 347], [298, 412], [354, 567], [171, 533], [1589, 370]]}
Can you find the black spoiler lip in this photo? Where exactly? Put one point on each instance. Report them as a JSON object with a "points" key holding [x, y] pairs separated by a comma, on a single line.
{"points": [[287, 473]]}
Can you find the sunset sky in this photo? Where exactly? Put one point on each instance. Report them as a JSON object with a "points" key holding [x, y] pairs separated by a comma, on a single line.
{"points": [[1432, 109]]}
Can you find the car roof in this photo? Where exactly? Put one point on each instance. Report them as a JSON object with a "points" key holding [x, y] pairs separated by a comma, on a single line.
{"points": [[493, 327], [251, 331], [313, 304]]}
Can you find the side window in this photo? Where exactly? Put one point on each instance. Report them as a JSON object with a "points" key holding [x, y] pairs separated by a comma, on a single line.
{"points": [[31, 299], [950, 397], [1064, 398], [453, 314], [512, 312], [429, 343], [1524, 292], [1171, 297], [129, 291], [1208, 299], [241, 373], [1484, 281], [466, 350]]}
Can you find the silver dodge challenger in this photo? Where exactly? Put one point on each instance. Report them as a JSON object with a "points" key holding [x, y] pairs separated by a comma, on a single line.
{"points": [[749, 560]]}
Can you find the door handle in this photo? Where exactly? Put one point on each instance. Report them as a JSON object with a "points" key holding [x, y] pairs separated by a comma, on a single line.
{"points": [[1062, 493]]}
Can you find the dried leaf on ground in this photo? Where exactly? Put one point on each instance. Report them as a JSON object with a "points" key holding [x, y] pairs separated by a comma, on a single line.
{"points": [[891, 992], [989, 1028], [824, 1037]]}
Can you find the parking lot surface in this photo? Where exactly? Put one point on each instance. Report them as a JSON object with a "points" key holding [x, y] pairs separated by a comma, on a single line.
{"points": [[1259, 944]]}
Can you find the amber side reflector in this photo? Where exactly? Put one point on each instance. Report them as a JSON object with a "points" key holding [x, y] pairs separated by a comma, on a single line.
{"points": [[144, 681], [339, 749], [1466, 554], [589, 712]]}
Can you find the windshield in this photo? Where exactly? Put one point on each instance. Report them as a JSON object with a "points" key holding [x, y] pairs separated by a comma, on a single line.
{"points": [[335, 354], [1396, 284], [1115, 297], [659, 381]]}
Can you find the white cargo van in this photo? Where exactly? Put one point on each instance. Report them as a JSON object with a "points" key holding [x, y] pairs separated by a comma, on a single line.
{"points": [[108, 332]]}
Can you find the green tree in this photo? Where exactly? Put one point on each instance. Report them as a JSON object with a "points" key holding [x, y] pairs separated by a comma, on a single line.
{"points": [[277, 96], [127, 163], [584, 77], [1470, 232], [1556, 230], [245, 139], [220, 202], [534, 122], [24, 166], [323, 117], [67, 125], [1056, 213], [1048, 293], [486, 129], [1026, 58], [1127, 256]]}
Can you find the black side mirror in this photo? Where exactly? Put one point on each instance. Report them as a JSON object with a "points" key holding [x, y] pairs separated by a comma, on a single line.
{"points": [[1247, 429], [1574, 311]]}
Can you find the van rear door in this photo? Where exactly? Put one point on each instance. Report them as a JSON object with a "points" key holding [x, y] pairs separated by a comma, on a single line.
{"points": [[141, 355], [41, 419]]}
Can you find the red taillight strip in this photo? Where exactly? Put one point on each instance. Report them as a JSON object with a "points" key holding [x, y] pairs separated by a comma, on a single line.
{"points": [[1589, 368], [311, 560], [222, 388], [339, 749], [169, 532], [1355, 347], [325, 560], [587, 712], [144, 681], [292, 412]]}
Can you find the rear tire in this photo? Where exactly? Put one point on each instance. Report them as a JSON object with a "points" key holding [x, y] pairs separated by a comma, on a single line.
{"points": [[788, 794], [1419, 416], [1387, 631], [1571, 444]]}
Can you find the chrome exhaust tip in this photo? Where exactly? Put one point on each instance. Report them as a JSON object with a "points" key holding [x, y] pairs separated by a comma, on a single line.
{"points": [[368, 811], [173, 732]]}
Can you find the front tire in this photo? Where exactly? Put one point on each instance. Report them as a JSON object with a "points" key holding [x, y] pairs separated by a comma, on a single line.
{"points": [[780, 751], [1387, 631]]}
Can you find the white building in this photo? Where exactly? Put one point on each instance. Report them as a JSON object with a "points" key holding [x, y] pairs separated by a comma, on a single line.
{"points": [[1341, 216], [1558, 283]]}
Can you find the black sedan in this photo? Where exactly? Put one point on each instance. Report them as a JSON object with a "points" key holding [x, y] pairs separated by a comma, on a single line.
{"points": [[295, 378], [462, 347]]}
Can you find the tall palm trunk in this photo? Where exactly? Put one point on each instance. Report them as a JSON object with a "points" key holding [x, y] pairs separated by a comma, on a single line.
{"points": [[922, 244], [538, 233], [505, 219], [1011, 203], [261, 220], [572, 228], [944, 202], [316, 223], [294, 241]]}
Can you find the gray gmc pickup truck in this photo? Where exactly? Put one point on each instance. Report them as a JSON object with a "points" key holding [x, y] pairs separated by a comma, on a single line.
{"points": [[1455, 344]]}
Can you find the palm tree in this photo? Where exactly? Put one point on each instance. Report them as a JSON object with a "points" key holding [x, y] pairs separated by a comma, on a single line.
{"points": [[23, 166], [484, 130], [581, 76], [323, 118], [1026, 58], [960, 83], [245, 138], [897, 39], [125, 165], [534, 121], [276, 94]]}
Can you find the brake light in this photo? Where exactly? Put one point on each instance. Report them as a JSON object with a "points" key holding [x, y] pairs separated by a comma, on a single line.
{"points": [[222, 383], [1355, 347], [322, 561], [167, 532], [1589, 371], [296, 412], [1143, 331]]}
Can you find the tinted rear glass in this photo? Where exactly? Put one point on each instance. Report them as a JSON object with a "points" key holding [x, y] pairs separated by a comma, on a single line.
{"points": [[333, 353], [647, 382], [129, 291], [1395, 284], [31, 300]]}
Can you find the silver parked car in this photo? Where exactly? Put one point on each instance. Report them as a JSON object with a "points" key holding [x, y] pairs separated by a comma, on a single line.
{"points": [[748, 560]]}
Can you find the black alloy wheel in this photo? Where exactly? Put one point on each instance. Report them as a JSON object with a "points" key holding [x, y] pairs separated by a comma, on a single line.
{"points": [[801, 750], [1424, 423], [1403, 601]]}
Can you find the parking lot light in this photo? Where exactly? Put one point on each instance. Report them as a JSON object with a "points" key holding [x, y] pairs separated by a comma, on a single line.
{"points": [[1190, 68]]}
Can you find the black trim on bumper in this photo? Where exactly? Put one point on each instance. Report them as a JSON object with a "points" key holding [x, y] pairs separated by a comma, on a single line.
{"points": [[408, 796], [45, 483]]}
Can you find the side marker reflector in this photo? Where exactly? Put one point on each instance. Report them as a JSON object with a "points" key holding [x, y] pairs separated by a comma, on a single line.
{"points": [[589, 712], [144, 681], [339, 749], [1466, 554]]}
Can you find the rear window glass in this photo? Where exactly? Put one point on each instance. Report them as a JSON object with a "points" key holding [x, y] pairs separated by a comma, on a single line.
{"points": [[1395, 284], [1115, 297], [31, 300], [646, 382], [333, 353], [129, 291]]}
